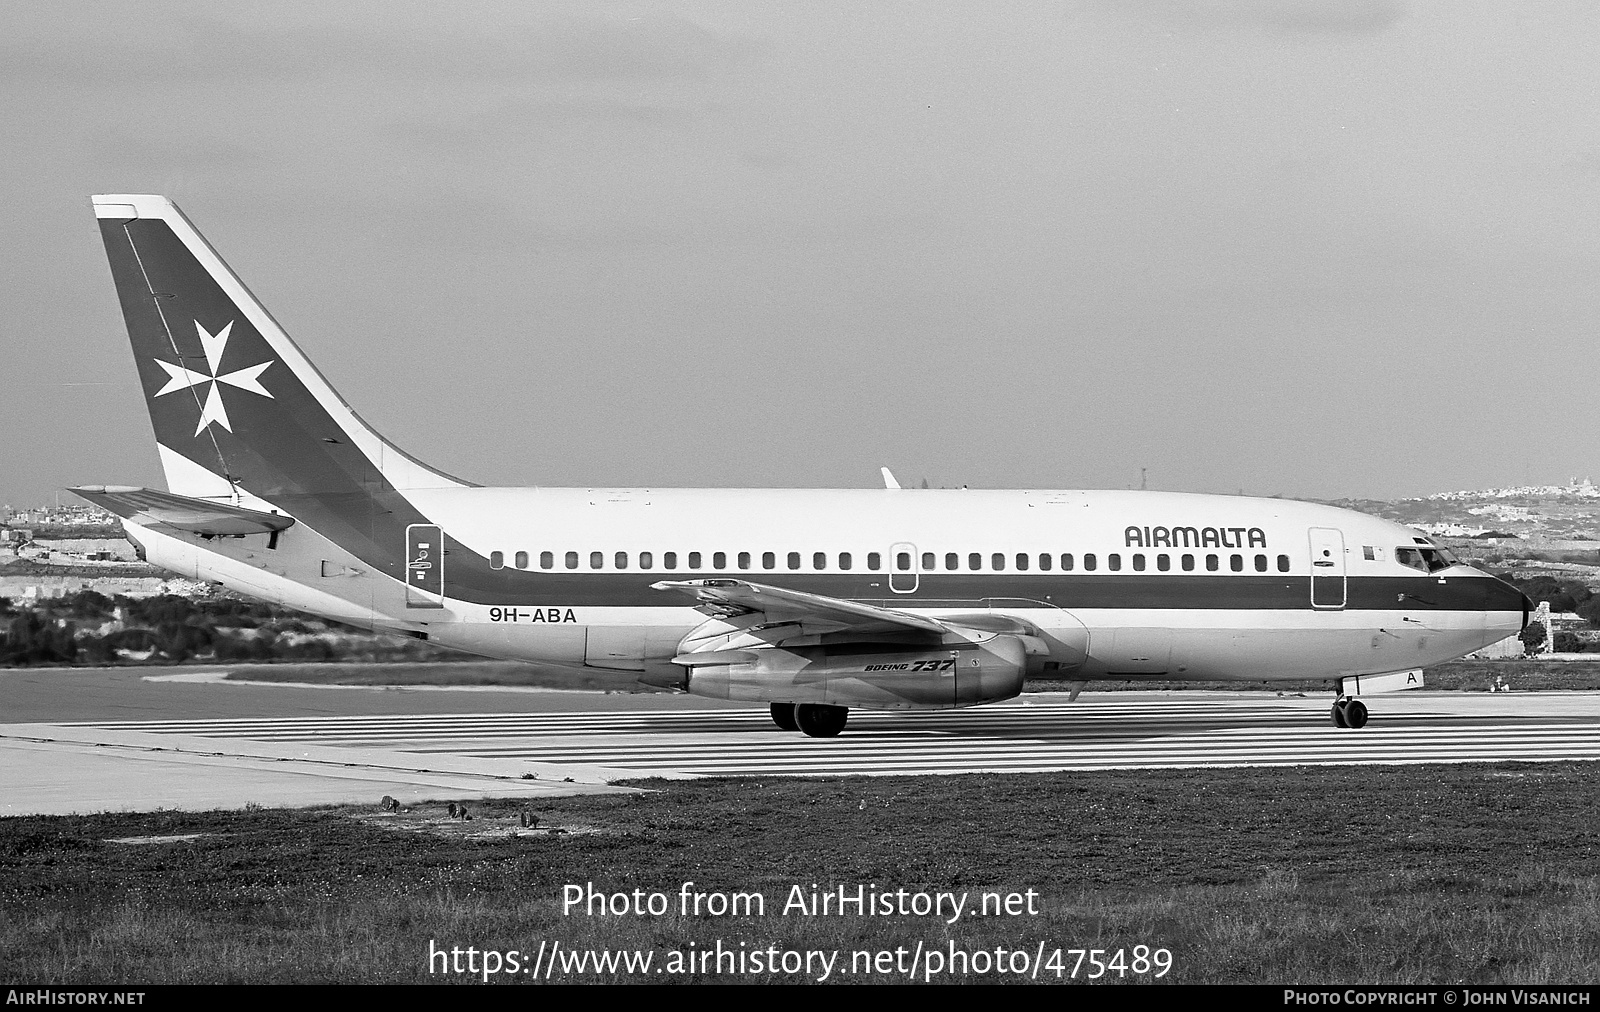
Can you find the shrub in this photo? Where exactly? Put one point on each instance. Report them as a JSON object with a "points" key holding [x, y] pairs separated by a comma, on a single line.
{"points": [[84, 604], [1569, 643], [1532, 637], [156, 611], [31, 640], [180, 641]]}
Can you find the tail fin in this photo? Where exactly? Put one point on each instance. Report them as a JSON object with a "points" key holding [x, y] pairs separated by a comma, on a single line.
{"points": [[239, 412]]}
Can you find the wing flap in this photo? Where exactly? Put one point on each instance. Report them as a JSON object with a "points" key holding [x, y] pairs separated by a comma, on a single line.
{"points": [[197, 516]]}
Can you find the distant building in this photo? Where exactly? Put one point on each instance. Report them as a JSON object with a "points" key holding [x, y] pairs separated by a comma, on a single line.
{"points": [[1500, 650], [36, 587], [94, 549], [1585, 489], [1512, 646], [1452, 530]]}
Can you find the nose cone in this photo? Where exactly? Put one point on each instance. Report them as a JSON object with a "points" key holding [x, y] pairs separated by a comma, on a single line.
{"points": [[1501, 596]]}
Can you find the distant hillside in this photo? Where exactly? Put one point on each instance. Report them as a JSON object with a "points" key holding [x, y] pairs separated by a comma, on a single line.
{"points": [[1543, 514]]}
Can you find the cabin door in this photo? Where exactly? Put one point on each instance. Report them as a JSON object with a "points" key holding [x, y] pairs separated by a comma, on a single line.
{"points": [[1327, 568], [424, 566]]}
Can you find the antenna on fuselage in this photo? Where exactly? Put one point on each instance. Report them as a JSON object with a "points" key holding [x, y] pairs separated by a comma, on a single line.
{"points": [[888, 478]]}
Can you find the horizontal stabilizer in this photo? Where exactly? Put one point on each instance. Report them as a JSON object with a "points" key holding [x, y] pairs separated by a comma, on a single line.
{"points": [[197, 516]]}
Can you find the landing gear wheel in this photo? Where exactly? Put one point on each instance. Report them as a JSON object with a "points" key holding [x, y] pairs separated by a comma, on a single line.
{"points": [[783, 716], [820, 721], [1355, 713], [1338, 714]]}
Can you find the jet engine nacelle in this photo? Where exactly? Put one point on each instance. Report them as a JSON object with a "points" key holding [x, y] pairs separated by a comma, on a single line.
{"points": [[982, 670]]}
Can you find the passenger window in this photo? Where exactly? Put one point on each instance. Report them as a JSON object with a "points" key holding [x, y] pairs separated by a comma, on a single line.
{"points": [[1022, 560], [1211, 563], [1188, 563], [793, 560], [1261, 563], [694, 560], [719, 560], [997, 561], [1066, 562], [522, 560], [874, 561], [646, 560], [497, 560], [622, 560], [769, 560], [1088, 562], [1236, 563], [547, 560], [669, 560], [844, 560], [974, 561], [902, 561], [744, 560], [928, 561], [1114, 562], [819, 560], [1283, 563], [1138, 562], [597, 560], [1163, 562], [1044, 561], [952, 561], [572, 560]]}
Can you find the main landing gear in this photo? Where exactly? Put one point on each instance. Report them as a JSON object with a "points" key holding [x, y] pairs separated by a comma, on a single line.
{"points": [[817, 720], [1349, 712]]}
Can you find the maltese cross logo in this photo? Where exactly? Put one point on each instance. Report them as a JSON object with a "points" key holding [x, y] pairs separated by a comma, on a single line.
{"points": [[183, 379]]}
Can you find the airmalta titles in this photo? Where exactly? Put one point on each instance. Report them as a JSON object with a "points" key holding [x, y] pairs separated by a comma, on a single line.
{"points": [[1195, 537]]}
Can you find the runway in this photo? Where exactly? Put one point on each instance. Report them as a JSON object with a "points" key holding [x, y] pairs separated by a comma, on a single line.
{"points": [[88, 740], [1036, 733]]}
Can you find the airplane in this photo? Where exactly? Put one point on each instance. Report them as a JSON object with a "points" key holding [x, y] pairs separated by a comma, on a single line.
{"points": [[813, 601]]}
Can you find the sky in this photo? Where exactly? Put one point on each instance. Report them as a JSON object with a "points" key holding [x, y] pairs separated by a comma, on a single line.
{"points": [[1317, 248]]}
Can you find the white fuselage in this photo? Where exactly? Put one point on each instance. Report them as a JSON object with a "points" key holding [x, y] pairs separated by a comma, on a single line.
{"points": [[1181, 585]]}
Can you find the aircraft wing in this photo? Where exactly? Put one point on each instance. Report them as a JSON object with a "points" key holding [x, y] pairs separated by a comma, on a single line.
{"points": [[197, 516], [726, 598]]}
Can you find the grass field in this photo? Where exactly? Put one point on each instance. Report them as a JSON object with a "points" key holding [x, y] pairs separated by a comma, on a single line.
{"points": [[1474, 873]]}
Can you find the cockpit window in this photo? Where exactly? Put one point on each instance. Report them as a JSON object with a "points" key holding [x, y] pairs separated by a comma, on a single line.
{"points": [[1428, 560]]}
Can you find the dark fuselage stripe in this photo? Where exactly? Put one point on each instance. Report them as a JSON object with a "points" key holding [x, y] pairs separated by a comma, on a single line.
{"points": [[1061, 590]]}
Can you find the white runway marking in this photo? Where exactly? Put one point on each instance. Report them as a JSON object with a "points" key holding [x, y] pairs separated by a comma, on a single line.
{"points": [[1020, 736], [192, 677]]}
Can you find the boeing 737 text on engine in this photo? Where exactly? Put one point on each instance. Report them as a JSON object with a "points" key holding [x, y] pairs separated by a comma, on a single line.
{"points": [[812, 601]]}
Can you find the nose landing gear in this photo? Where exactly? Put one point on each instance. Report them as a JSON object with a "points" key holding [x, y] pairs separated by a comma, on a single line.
{"points": [[1348, 712]]}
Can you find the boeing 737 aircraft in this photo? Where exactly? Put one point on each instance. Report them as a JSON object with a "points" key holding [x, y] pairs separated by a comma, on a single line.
{"points": [[812, 601]]}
